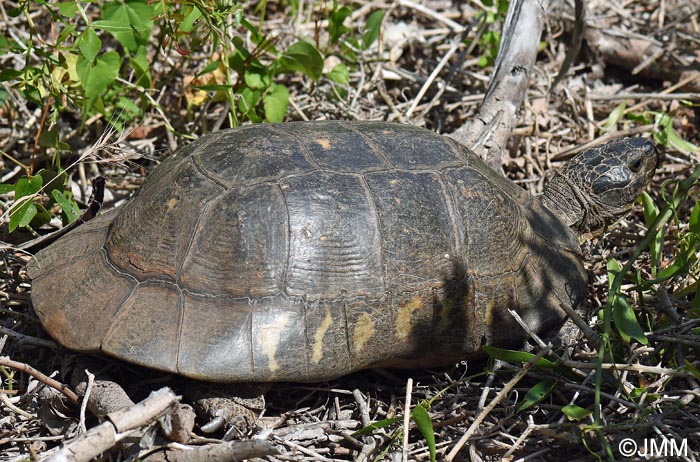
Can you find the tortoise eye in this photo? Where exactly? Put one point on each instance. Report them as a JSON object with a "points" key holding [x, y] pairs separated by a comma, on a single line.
{"points": [[636, 165]]}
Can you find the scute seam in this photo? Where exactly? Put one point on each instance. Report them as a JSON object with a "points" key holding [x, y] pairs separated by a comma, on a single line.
{"points": [[203, 171], [378, 228], [180, 323], [379, 152], [455, 216], [302, 145], [289, 237], [346, 329], [193, 234]]}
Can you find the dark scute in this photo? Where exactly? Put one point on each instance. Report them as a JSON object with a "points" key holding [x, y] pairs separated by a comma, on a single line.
{"points": [[63, 309], [334, 241], [76, 294], [240, 245], [417, 226], [329, 348], [216, 338], [146, 329], [251, 155], [492, 220], [370, 333], [152, 232], [85, 240]]}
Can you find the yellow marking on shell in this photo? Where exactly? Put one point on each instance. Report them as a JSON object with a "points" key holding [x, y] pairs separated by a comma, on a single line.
{"points": [[404, 317], [318, 337], [269, 338], [364, 330], [324, 142], [488, 312], [172, 203]]}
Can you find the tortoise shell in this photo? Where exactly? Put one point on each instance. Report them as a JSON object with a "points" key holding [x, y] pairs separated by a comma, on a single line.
{"points": [[304, 251]]}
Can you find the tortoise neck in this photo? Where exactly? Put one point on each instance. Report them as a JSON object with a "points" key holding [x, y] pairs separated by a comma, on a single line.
{"points": [[562, 198]]}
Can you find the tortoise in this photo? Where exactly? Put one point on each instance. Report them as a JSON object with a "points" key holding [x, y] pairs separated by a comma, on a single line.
{"points": [[304, 251]]}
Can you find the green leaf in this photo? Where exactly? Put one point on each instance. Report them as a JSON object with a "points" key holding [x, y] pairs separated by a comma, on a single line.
{"points": [[129, 106], [372, 28], [9, 74], [69, 207], [89, 44], [100, 75], [67, 9], [677, 266], [275, 103], [369, 429], [573, 412], [303, 57], [680, 144], [129, 22], [643, 118], [142, 67], [6, 188], [248, 102], [613, 268], [694, 220], [691, 368], [187, 23], [626, 322], [651, 211], [257, 77], [48, 138], [336, 28], [26, 186], [22, 214], [615, 116], [66, 32], [211, 67], [512, 356], [667, 136], [425, 426], [537, 393], [42, 216], [339, 74], [257, 37]]}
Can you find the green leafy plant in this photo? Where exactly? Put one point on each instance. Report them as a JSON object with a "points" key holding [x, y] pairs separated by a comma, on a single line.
{"points": [[684, 267], [664, 132]]}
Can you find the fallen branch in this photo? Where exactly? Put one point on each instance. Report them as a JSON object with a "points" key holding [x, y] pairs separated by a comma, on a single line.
{"points": [[5, 361], [487, 133], [120, 424]]}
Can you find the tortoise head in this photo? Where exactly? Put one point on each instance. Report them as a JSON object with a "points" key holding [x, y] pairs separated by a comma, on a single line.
{"points": [[600, 185]]}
